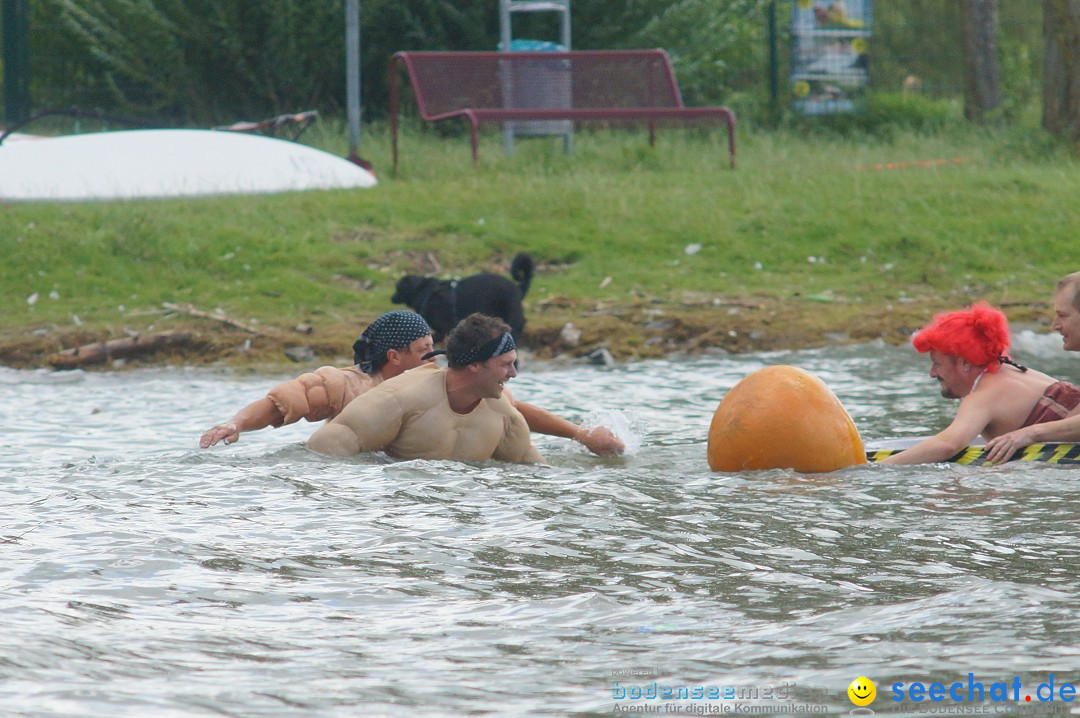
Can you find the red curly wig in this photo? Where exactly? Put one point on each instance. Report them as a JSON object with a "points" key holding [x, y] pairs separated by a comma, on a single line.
{"points": [[979, 334]]}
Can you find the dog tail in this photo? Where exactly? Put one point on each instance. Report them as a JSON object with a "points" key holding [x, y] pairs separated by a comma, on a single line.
{"points": [[522, 269]]}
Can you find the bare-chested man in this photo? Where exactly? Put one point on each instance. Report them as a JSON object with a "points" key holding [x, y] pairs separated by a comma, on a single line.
{"points": [[1066, 427], [968, 356], [462, 412], [392, 344]]}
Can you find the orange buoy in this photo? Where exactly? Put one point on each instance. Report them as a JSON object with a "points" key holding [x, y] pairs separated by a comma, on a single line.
{"points": [[783, 417]]}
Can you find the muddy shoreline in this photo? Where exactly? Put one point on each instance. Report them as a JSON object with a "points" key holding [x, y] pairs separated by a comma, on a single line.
{"points": [[628, 332]]}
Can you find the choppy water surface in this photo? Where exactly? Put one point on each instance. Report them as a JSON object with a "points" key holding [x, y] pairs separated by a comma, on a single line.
{"points": [[142, 576]]}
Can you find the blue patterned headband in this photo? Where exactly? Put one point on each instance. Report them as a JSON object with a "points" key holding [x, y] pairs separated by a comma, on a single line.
{"points": [[393, 330], [488, 350]]}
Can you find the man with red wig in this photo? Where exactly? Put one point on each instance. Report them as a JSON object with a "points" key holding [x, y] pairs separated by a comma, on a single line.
{"points": [[969, 358], [1067, 323]]}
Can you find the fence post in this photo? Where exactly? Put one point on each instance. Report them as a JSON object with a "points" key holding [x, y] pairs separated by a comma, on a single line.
{"points": [[16, 40], [352, 74], [774, 60]]}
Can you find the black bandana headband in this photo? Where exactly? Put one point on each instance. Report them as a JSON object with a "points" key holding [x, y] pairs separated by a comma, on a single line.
{"points": [[393, 330], [488, 350]]}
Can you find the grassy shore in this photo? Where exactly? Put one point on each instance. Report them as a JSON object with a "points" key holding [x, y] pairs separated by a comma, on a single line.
{"points": [[814, 238]]}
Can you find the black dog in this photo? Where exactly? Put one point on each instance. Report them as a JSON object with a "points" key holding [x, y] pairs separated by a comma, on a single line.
{"points": [[443, 303]]}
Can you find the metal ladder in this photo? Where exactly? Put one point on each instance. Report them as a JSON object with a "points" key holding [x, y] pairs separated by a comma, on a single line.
{"points": [[507, 9]]}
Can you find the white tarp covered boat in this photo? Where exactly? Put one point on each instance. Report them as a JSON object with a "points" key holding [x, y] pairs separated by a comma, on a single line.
{"points": [[135, 164]]}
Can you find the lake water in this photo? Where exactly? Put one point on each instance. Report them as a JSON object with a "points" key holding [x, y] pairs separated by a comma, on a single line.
{"points": [[142, 576]]}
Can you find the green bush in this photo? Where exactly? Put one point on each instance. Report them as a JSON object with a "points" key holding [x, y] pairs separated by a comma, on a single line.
{"points": [[884, 116], [214, 61]]}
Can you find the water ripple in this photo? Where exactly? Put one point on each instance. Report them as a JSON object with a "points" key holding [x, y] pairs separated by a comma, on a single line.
{"points": [[143, 576]]}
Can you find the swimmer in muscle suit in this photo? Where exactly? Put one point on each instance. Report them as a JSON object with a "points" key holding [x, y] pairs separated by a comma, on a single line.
{"points": [[392, 344], [462, 412]]}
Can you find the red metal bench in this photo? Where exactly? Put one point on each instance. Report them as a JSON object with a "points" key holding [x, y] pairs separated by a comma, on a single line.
{"points": [[580, 85]]}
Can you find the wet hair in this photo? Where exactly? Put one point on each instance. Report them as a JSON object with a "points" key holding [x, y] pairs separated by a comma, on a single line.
{"points": [[393, 330], [477, 337], [1072, 281], [979, 334]]}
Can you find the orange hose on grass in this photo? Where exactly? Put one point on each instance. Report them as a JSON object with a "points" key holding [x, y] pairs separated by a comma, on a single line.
{"points": [[907, 165]]}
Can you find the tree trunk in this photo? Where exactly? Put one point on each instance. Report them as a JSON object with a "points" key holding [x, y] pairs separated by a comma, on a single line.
{"points": [[1061, 69], [100, 352], [982, 82]]}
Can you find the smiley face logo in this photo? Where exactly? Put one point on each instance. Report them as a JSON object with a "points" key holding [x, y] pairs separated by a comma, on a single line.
{"points": [[862, 691]]}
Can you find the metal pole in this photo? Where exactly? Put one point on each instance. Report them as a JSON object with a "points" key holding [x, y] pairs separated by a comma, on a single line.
{"points": [[774, 59], [505, 38], [505, 32], [568, 138], [352, 75], [16, 58]]}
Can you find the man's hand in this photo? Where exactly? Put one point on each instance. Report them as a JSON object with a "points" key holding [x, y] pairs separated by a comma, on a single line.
{"points": [[1000, 448], [229, 432], [601, 441]]}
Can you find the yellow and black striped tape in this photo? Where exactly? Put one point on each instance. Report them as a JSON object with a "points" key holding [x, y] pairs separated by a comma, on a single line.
{"points": [[976, 455]]}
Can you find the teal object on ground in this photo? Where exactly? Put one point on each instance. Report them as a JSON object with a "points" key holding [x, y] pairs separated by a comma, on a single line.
{"points": [[534, 46]]}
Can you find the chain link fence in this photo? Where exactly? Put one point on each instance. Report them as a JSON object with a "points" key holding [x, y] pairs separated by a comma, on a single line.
{"points": [[297, 62]]}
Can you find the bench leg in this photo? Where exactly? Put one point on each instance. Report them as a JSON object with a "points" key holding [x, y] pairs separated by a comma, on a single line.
{"points": [[393, 139], [475, 145], [731, 137], [392, 86]]}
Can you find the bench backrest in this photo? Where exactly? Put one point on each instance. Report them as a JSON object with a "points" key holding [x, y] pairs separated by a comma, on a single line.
{"points": [[448, 82]]}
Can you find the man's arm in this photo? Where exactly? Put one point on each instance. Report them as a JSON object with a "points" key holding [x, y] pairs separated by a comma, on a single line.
{"points": [[600, 440], [515, 445], [335, 439], [368, 423], [973, 415], [256, 415], [313, 396], [1002, 447]]}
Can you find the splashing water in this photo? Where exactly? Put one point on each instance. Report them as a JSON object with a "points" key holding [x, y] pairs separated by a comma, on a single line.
{"points": [[144, 576], [629, 427]]}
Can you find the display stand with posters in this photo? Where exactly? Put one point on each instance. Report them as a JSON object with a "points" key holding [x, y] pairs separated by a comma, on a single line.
{"points": [[829, 52]]}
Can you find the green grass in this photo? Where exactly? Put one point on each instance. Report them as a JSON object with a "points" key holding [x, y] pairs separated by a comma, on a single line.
{"points": [[999, 223]]}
